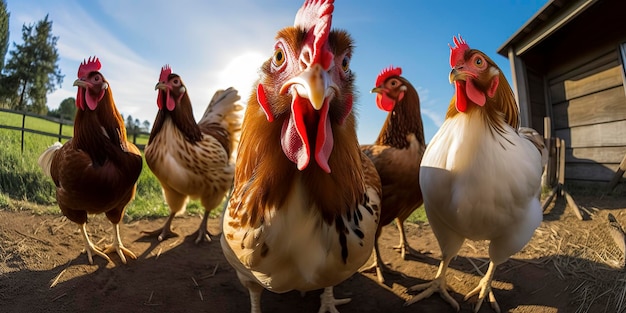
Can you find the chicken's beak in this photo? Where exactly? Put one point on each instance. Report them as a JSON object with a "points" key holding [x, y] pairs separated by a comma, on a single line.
{"points": [[80, 83], [160, 86], [376, 90], [312, 84], [456, 75]]}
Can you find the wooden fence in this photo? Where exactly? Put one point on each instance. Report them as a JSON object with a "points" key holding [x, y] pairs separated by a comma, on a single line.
{"points": [[61, 123]]}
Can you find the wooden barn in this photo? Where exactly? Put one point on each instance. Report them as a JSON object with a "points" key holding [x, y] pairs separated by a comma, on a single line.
{"points": [[568, 64]]}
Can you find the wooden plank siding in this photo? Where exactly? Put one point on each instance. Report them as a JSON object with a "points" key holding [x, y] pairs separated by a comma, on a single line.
{"points": [[536, 100], [588, 105]]}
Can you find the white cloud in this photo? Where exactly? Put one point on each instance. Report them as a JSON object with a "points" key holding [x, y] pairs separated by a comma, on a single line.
{"points": [[436, 117]]}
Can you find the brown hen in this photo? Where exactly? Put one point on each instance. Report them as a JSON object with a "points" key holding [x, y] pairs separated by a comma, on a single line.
{"points": [[96, 171], [397, 154]]}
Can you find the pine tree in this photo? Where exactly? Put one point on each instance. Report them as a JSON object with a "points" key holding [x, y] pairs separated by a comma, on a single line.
{"points": [[4, 32], [32, 67]]}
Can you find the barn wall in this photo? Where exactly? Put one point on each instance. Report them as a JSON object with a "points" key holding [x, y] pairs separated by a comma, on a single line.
{"points": [[589, 111], [537, 100]]}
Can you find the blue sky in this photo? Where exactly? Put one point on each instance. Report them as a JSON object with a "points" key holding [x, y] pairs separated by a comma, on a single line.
{"points": [[221, 43]]}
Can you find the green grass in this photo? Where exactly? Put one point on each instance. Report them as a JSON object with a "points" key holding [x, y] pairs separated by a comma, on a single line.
{"points": [[22, 181], [23, 184], [418, 216]]}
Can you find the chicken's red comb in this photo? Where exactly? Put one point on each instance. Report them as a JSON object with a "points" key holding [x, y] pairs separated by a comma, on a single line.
{"points": [[317, 15], [386, 73], [166, 70], [92, 64], [457, 52]]}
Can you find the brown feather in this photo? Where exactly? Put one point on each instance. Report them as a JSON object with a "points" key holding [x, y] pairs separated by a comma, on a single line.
{"points": [[96, 171], [501, 106], [403, 120], [182, 116], [265, 169], [397, 164]]}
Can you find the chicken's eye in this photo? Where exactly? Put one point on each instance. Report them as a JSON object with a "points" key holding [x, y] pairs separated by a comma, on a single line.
{"points": [[96, 78], [479, 62], [279, 57], [176, 82], [345, 63]]}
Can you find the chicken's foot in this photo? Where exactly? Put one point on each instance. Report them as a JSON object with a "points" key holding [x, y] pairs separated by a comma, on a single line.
{"points": [[118, 246], [203, 233], [438, 284], [90, 247], [380, 266], [164, 232], [483, 289], [328, 301]]}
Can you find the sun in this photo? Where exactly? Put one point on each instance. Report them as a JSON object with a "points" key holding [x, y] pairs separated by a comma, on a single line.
{"points": [[241, 72]]}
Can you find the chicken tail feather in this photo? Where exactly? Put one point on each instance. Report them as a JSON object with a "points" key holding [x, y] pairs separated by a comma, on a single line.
{"points": [[538, 141], [45, 159], [225, 109]]}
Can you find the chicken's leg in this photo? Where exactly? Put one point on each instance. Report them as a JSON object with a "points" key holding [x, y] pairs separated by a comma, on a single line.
{"points": [[90, 247], [118, 246], [484, 288], [379, 265], [203, 234], [254, 289], [404, 247], [328, 301], [438, 284], [165, 231], [210, 202]]}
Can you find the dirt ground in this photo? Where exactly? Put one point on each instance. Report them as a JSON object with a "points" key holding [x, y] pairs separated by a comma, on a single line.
{"points": [[569, 266]]}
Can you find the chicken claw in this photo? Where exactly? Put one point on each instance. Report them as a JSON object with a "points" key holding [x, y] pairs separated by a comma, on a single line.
{"points": [[380, 267], [203, 233], [90, 247], [165, 232], [484, 288], [437, 285], [328, 301], [119, 247]]}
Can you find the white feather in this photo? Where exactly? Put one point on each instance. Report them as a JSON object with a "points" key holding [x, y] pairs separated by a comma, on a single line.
{"points": [[45, 159], [482, 185]]}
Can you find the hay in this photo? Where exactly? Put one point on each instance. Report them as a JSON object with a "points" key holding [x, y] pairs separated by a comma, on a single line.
{"points": [[584, 253]]}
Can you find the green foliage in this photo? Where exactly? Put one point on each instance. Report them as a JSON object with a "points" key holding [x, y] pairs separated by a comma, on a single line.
{"points": [[66, 110], [5, 202], [32, 70], [4, 32]]}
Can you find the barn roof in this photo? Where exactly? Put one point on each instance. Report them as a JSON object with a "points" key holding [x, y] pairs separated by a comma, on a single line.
{"points": [[551, 17]]}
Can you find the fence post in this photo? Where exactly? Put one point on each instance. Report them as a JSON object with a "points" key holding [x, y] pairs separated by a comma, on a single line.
{"points": [[23, 126], [61, 127]]}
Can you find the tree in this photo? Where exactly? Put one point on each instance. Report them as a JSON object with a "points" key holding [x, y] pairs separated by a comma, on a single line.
{"points": [[146, 126], [33, 67], [130, 124], [4, 32], [66, 110]]}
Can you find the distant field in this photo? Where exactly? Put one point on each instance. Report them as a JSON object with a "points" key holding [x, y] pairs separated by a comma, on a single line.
{"points": [[21, 179]]}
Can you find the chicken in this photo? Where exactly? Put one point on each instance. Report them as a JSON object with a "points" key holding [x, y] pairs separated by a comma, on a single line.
{"points": [[397, 154], [480, 176], [96, 171], [192, 160], [305, 204]]}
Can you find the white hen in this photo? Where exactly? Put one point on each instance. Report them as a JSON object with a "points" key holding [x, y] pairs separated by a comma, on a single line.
{"points": [[480, 175]]}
